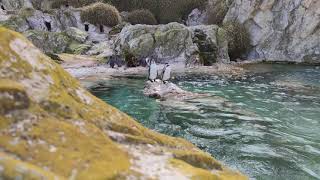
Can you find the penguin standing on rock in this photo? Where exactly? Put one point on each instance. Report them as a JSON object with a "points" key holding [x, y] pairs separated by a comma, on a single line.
{"points": [[166, 73], [153, 71]]}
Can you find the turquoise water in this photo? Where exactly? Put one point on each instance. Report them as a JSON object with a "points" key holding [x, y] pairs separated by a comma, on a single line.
{"points": [[268, 125]]}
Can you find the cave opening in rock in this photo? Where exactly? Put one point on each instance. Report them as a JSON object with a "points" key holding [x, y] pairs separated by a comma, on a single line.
{"points": [[3, 8], [101, 29], [86, 27], [48, 25]]}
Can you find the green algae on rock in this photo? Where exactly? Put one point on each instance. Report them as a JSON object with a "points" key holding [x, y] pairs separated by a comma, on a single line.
{"points": [[52, 128]]}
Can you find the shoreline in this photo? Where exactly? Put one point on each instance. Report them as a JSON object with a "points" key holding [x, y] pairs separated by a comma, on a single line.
{"points": [[89, 70], [104, 71]]}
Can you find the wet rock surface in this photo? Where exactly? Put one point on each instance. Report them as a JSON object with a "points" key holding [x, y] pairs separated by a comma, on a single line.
{"points": [[169, 90]]}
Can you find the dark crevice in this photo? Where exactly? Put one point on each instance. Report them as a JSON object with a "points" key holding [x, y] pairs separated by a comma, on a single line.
{"points": [[3, 8], [101, 29], [86, 27], [48, 25]]}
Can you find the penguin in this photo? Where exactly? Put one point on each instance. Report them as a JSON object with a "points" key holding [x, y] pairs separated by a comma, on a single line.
{"points": [[153, 71], [166, 73]]}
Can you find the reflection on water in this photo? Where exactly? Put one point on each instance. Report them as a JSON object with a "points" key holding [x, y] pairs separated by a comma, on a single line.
{"points": [[267, 125]]}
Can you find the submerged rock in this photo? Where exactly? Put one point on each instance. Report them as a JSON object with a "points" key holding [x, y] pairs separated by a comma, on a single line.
{"points": [[169, 90], [52, 128]]}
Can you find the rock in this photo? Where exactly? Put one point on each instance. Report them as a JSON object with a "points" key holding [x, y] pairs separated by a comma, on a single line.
{"points": [[173, 43], [52, 128], [48, 42], [101, 50], [41, 21], [212, 44], [15, 23], [78, 48], [167, 42], [76, 34], [118, 28], [197, 17], [29, 18], [162, 91], [4, 16], [280, 30], [14, 4]]}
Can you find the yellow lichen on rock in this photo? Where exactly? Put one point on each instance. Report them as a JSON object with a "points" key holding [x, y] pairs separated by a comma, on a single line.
{"points": [[53, 126], [12, 168]]}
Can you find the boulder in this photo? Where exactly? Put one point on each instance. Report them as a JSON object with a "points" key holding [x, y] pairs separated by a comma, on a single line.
{"points": [[77, 34], [78, 48], [15, 23], [101, 50], [167, 42], [212, 44], [15, 4], [282, 30], [172, 43], [43, 22], [48, 42], [52, 128]]}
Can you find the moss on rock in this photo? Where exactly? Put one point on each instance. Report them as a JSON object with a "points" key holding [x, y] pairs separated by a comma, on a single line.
{"points": [[78, 48], [49, 42], [66, 132]]}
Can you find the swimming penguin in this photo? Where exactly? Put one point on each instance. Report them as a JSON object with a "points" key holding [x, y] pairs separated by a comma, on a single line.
{"points": [[166, 73], [153, 71]]}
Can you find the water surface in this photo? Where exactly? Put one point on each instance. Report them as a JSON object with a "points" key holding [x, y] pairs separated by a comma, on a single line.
{"points": [[268, 126]]}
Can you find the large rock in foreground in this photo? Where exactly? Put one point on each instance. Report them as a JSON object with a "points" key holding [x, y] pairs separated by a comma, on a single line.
{"points": [[51, 128]]}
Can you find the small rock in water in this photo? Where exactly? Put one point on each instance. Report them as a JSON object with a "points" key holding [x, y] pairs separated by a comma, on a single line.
{"points": [[162, 91]]}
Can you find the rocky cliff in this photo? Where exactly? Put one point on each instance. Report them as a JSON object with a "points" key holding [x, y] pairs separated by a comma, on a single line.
{"points": [[281, 30], [52, 128]]}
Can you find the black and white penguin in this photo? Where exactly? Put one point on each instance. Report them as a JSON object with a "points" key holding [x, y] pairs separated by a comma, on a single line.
{"points": [[112, 61], [153, 71], [166, 73]]}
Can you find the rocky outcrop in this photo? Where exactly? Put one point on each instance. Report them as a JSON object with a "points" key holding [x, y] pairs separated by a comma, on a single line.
{"points": [[212, 44], [15, 4], [52, 128], [282, 30], [172, 43], [55, 30], [58, 41], [77, 34]]}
